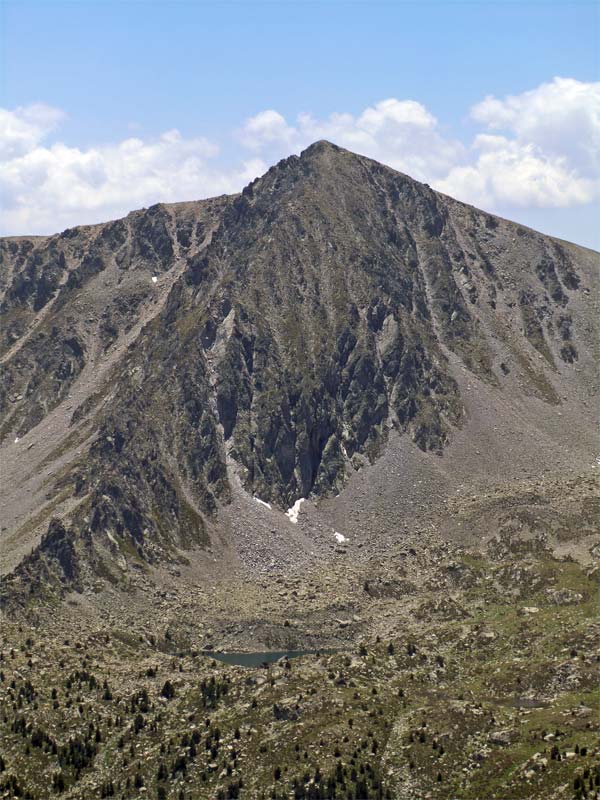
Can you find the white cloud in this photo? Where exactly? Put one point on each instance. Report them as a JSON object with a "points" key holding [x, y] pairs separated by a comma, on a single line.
{"points": [[561, 117], [45, 188], [538, 149], [509, 173], [401, 133], [264, 128], [550, 156], [23, 128]]}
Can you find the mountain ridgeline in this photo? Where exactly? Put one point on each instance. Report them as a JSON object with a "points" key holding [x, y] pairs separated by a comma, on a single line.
{"points": [[271, 340]]}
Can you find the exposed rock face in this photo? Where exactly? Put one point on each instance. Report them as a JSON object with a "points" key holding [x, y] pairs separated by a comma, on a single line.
{"points": [[289, 328], [67, 298], [55, 560]]}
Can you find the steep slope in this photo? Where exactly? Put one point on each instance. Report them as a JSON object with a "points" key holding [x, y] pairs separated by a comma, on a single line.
{"points": [[71, 305], [293, 333]]}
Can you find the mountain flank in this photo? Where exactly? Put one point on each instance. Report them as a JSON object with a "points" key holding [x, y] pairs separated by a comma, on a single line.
{"points": [[272, 343], [339, 423]]}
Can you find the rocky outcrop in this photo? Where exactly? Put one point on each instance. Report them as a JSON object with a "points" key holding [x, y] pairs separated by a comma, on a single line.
{"points": [[53, 568]]}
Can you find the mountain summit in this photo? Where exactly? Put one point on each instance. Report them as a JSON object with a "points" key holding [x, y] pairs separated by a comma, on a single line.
{"points": [[160, 369]]}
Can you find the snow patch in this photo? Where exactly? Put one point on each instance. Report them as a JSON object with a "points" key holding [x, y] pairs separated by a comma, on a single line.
{"points": [[263, 503], [154, 279], [340, 538], [292, 513], [16, 440]]}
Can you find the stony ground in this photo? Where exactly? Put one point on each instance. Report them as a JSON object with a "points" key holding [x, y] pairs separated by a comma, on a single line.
{"points": [[466, 667]]}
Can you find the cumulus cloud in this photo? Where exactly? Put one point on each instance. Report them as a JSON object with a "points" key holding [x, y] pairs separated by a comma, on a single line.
{"points": [[537, 149], [562, 118], [507, 172], [401, 133], [265, 128], [548, 155], [22, 129], [46, 187]]}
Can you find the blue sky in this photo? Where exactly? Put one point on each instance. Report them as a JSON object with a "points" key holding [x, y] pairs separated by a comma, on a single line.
{"points": [[89, 90]]}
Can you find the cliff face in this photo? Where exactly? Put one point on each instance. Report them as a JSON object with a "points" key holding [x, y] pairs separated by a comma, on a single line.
{"points": [[273, 338]]}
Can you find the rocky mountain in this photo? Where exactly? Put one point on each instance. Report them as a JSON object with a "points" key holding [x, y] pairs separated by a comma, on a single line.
{"points": [[339, 417], [271, 345]]}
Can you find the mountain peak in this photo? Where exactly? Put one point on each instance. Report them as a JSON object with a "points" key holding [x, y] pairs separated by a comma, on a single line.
{"points": [[268, 346], [320, 147]]}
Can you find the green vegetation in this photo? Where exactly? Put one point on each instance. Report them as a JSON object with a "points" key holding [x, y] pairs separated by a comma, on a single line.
{"points": [[499, 702]]}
